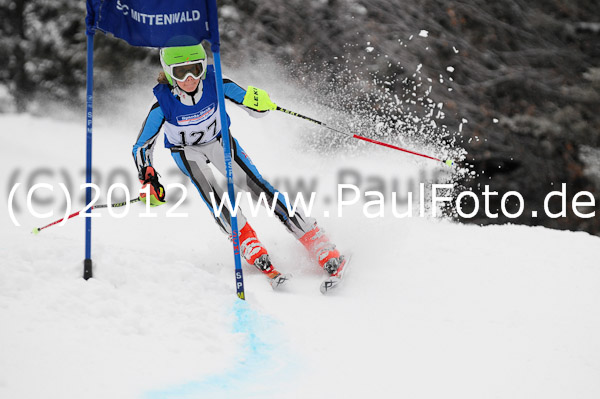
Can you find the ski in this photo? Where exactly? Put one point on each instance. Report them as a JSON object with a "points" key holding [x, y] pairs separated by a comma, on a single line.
{"points": [[277, 279], [335, 279]]}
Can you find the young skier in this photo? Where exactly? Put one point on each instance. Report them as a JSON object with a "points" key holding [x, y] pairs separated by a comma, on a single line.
{"points": [[187, 108]]}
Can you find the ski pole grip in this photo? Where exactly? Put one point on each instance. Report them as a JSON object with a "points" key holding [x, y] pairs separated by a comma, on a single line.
{"points": [[287, 111]]}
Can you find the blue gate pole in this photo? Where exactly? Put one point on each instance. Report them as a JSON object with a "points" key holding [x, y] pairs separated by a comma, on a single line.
{"points": [[239, 277], [87, 263]]}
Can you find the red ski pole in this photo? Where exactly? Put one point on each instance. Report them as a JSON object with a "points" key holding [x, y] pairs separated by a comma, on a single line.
{"points": [[116, 205], [448, 162]]}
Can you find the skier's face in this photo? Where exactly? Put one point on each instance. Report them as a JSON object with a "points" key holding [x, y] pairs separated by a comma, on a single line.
{"points": [[189, 84]]}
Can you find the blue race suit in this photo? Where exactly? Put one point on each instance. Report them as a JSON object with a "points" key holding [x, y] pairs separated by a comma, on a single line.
{"points": [[193, 134]]}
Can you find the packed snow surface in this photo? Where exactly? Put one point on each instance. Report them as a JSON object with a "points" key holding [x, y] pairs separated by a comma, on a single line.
{"points": [[429, 309]]}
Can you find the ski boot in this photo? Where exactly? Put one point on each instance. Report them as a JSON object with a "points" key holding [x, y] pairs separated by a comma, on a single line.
{"points": [[256, 254], [323, 250], [328, 257]]}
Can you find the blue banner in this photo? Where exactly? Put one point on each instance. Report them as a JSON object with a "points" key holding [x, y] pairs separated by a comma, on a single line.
{"points": [[155, 23]]}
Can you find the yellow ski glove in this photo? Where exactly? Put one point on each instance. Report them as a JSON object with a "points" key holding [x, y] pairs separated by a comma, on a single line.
{"points": [[258, 99]]}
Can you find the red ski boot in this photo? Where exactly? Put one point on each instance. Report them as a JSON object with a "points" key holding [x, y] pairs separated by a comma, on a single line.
{"points": [[256, 254], [323, 250]]}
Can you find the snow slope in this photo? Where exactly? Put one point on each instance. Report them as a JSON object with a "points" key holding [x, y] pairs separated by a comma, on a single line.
{"points": [[430, 308]]}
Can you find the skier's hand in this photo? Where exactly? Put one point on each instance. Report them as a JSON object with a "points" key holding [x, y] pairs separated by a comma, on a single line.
{"points": [[149, 179], [258, 99]]}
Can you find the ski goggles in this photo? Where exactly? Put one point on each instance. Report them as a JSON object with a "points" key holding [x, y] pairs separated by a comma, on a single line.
{"points": [[181, 71]]}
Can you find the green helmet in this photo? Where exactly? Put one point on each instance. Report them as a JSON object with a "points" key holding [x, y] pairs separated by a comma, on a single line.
{"points": [[179, 62]]}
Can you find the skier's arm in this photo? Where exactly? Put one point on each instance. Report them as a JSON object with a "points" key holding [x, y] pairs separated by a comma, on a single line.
{"points": [[254, 101], [144, 146]]}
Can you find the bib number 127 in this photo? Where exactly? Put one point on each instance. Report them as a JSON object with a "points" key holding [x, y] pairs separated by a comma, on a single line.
{"points": [[195, 138]]}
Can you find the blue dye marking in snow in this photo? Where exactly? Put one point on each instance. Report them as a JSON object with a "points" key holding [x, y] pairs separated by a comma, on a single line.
{"points": [[260, 365]]}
